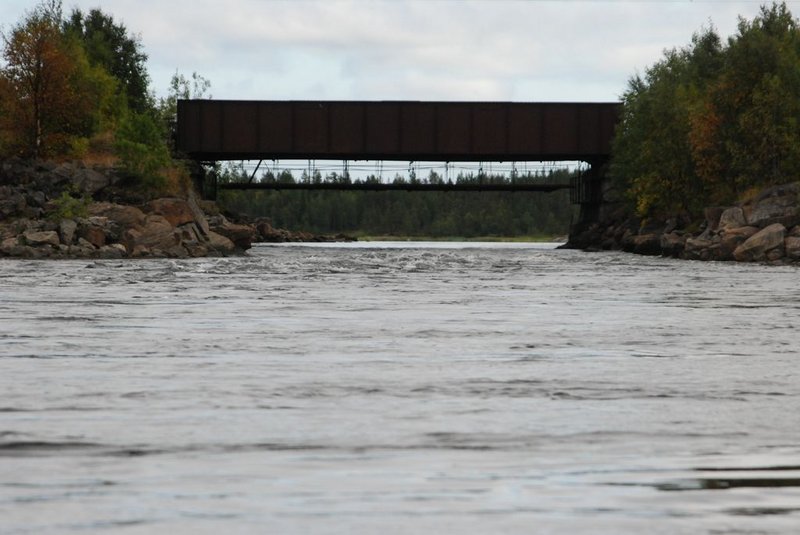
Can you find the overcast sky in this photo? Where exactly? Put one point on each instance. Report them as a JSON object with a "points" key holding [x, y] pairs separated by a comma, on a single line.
{"points": [[410, 50]]}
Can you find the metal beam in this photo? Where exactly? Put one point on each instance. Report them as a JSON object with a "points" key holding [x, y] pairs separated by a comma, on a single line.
{"points": [[367, 186]]}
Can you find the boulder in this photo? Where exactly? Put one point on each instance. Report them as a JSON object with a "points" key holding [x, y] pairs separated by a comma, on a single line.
{"points": [[647, 244], [195, 248], [64, 172], [66, 229], [733, 238], [11, 204], [8, 244], [199, 217], [672, 244], [90, 181], [125, 216], [732, 218], [92, 233], [713, 215], [25, 251], [176, 211], [111, 251], [241, 235], [267, 233], [219, 243], [36, 199], [775, 254], [86, 244], [38, 238], [81, 250], [775, 205], [156, 233], [697, 248], [759, 244], [791, 247], [189, 232]]}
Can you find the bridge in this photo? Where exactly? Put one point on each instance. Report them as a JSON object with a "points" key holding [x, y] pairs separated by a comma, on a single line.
{"points": [[220, 130]]}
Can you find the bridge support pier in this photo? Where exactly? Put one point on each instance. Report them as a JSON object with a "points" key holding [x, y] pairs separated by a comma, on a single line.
{"points": [[203, 180], [588, 193]]}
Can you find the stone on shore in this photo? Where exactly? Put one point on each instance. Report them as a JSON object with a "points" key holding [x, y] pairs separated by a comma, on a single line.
{"points": [[733, 238], [92, 231], [762, 245], [125, 216], [156, 233], [38, 238], [732, 218], [697, 249], [673, 244], [647, 244], [219, 243], [66, 230], [241, 235], [778, 204], [792, 247], [176, 211]]}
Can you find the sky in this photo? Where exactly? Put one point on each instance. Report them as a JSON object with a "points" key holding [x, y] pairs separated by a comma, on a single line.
{"points": [[526, 50]]}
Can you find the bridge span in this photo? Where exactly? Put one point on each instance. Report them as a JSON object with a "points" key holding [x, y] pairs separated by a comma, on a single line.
{"points": [[213, 130], [414, 131]]}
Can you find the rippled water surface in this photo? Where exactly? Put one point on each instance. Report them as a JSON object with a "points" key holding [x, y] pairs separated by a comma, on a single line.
{"points": [[399, 388]]}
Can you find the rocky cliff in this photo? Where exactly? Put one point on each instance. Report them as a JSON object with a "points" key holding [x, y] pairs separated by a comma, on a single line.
{"points": [[69, 210], [763, 229]]}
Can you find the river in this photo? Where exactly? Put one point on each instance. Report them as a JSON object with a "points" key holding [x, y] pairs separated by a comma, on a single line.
{"points": [[399, 388]]}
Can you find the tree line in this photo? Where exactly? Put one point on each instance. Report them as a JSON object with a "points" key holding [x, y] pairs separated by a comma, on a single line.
{"points": [[714, 121], [436, 214], [77, 87]]}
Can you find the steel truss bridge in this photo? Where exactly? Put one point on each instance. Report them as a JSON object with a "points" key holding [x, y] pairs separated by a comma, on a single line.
{"points": [[226, 130]]}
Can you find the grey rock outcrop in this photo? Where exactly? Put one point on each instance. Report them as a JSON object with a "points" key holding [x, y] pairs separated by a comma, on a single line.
{"points": [[762, 245]]}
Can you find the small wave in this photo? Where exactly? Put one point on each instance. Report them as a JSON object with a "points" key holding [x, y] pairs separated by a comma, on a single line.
{"points": [[726, 483], [762, 511], [32, 447]]}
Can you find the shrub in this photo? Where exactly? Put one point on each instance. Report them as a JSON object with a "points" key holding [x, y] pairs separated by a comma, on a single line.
{"points": [[142, 151], [68, 206]]}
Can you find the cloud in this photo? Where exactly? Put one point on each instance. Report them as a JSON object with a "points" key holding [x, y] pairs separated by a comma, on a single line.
{"points": [[437, 49]]}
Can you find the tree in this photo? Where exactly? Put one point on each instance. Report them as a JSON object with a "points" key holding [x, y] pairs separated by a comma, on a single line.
{"points": [[109, 45], [652, 149], [747, 132], [52, 96], [709, 122], [37, 71], [142, 151], [180, 88]]}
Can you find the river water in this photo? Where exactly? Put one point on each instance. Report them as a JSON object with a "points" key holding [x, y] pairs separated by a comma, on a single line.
{"points": [[399, 388]]}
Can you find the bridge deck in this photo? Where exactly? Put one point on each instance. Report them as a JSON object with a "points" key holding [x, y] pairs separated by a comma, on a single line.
{"points": [[412, 131]]}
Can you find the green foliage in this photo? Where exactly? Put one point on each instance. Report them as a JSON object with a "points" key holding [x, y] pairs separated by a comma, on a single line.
{"points": [[652, 150], [180, 88], [70, 205], [108, 45], [50, 94], [141, 149], [710, 121], [401, 213]]}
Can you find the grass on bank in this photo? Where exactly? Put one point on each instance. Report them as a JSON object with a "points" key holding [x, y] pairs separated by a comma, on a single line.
{"points": [[501, 239]]}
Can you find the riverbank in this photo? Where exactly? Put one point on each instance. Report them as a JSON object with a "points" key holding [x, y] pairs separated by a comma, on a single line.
{"points": [[476, 239], [764, 228], [70, 210]]}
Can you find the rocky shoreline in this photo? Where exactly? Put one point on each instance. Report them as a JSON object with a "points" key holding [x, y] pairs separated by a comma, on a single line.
{"points": [[763, 229], [69, 210]]}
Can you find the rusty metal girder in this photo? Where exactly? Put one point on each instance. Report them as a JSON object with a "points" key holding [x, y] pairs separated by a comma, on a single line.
{"points": [[396, 130]]}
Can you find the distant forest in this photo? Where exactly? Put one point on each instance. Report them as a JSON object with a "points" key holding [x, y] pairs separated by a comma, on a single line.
{"points": [[434, 214]]}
